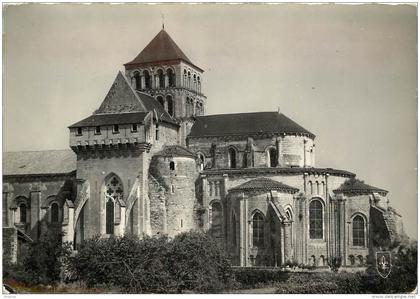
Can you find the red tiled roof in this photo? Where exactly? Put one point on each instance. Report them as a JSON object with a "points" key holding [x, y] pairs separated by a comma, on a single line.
{"points": [[246, 124], [161, 48], [264, 184]]}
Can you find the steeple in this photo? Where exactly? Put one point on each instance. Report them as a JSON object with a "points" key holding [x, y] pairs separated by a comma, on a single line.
{"points": [[162, 48]]}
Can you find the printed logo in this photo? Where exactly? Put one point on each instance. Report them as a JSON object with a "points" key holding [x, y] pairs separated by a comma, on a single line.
{"points": [[383, 263]]}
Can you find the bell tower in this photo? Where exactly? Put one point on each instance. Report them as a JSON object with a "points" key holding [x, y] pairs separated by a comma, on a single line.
{"points": [[163, 71]]}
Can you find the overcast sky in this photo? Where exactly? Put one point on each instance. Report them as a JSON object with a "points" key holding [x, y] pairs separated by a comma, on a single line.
{"points": [[347, 73]]}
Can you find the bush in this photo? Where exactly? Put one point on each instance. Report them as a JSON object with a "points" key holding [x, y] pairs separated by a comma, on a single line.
{"points": [[403, 276], [334, 263], [191, 261], [46, 259], [198, 263], [250, 277]]}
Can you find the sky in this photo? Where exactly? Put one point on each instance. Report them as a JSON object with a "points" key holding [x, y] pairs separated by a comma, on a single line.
{"points": [[347, 73]]}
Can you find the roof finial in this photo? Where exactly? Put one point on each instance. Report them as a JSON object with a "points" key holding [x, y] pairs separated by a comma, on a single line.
{"points": [[278, 109], [163, 21]]}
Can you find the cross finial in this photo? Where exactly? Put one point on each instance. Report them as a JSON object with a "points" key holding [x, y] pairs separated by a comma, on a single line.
{"points": [[163, 20]]}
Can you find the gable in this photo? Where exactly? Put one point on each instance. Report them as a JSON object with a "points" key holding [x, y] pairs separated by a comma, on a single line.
{"points": [[121, 98]]}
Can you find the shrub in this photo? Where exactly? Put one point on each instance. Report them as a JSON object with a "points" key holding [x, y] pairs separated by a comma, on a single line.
{"points": [[198, 263], [403, 276], [250, 277], [191, 261], [46, 258], [334, 263]]}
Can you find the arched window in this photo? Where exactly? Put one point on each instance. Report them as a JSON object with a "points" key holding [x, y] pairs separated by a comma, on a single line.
{"points": [[185, 78], [258, 230], [22, 213], [201, 159], [351, 259], [360, 260], [321, 261], [216, 220], [245, 160], [170, 103], [273, 157], [199, 84], [172, 165], [160, 79], [171, 77], [146, 76], [232, 158], [195, 82], [311, 187], [358, 231], [54, 212], [137, 81], [189, 80], [113, 193], [316, 220], [317, 188], [233, 229], [161, 101]]}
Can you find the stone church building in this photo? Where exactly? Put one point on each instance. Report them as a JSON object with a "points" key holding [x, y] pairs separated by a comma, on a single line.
{"points": [[149, 161]]}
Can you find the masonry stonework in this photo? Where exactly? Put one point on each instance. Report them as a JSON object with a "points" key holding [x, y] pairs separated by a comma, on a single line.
{"points": [[149, 161]]}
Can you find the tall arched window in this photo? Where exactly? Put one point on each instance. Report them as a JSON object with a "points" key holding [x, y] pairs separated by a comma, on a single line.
{"points": [[273, 157], [199, 84], [232, 158], [161, 101], [358, 231], [185, 78], [195, 82], [316, 221], [146, 76], [161, 79], [245, 160], [189, 80], [113, 193], [258, 230], [171, 77], [137, 81], [171, 107], [54, 212], [22, 213]]}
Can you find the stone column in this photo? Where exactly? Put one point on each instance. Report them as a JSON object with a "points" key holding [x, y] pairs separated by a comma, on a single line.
{"points": [[143, 82], [279, 151], [287, 241], [282, 244], [166, 80], [35, 215]]}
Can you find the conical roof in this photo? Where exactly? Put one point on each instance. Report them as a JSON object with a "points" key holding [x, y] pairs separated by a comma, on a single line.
{"points": [[161, 48]]}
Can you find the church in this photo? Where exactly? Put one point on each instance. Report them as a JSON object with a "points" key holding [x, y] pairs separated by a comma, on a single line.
{"points": [[150, 161]]}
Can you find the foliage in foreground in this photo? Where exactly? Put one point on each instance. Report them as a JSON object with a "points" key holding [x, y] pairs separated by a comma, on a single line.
{"points": [[43, 262], [403, 278], [191, 261]]}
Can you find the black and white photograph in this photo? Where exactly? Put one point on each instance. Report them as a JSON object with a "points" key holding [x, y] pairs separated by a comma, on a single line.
{"points": [[210, 148]]}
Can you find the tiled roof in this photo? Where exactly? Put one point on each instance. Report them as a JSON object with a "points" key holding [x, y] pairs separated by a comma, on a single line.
{"points": [[39, 162], [111, 119], [276, 170], [246, 124], [353, 185], [152, 104], [264, 184], [124, 105], [161, 48], [175, 151]]}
